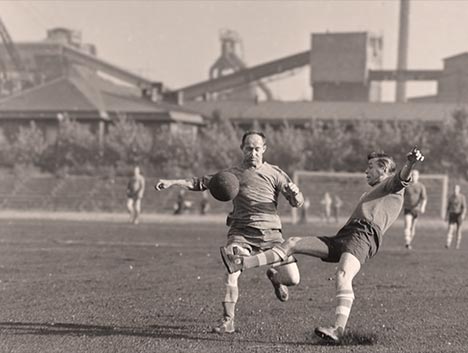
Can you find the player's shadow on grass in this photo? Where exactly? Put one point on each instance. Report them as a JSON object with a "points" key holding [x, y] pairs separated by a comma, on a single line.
{"points": [[161, 332], [71, 329], [349, 339]]}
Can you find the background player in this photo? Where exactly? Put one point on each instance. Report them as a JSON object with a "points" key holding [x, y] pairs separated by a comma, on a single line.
{"points": [[254, 223], [326, 202], [358, 240], [135, 191], [456, 211], [414, 205]]}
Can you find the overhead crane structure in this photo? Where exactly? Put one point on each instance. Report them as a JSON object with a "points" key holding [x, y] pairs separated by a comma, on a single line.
{"points": [[282, 65], [242, 77], [10, 48]]}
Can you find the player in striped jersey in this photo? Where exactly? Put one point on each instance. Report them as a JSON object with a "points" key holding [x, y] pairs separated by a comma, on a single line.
{"points": [[456, 211], [358, 240], [255, 225]]}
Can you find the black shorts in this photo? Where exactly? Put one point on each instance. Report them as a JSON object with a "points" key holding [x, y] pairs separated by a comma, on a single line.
{"points": [[412, 211], [455, 218], [358, 237]]}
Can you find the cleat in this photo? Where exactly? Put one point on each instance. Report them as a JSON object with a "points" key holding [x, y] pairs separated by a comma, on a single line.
{"points": [[233, 263], [281, 291], [329, 334], [227, 326], [409, 247]]}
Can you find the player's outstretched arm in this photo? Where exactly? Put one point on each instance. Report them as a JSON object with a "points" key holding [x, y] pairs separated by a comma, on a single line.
{"points": [[414, 156], [163, 184], [294, 195]]}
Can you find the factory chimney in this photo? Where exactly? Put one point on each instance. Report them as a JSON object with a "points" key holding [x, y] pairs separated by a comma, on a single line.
{"points": [[403, 35]]}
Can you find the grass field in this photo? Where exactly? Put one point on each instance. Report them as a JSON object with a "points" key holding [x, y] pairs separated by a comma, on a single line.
{"points": [[157, 287]]}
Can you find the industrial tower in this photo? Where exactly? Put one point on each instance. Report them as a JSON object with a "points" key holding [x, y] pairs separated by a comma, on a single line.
{"points": [[231, 61]]}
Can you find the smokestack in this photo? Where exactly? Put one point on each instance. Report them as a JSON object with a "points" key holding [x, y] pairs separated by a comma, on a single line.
{"points": [[403, 35]]}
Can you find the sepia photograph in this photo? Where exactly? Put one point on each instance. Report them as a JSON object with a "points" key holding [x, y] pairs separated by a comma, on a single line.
{"points": [[242, 176]]}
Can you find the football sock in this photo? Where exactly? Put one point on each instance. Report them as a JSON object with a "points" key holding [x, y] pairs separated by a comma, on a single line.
{"points": [[449, 239], [230, 300], [229, 309], [407, 237], [459, 237], [263, 258], [344, 298]]}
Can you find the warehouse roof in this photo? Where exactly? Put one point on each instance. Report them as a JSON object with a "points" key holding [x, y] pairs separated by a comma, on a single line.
{"points": [[279, 111], [85, 95]]}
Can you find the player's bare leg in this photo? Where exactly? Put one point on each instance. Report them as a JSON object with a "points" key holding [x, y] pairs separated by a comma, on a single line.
{"points": [[451, 228], [459, 236], [229, 304], [408, 230], [413, 228], [347, 269], [130, 208], [232, 294], [284, 276], [137, 211], [311, 246]]}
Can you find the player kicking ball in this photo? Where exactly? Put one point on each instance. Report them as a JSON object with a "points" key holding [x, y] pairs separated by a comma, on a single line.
{"points": [[358, 240], [254, 223]]}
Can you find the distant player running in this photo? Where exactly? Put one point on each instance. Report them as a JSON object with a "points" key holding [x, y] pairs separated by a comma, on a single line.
{"points": [[456, 211], [414, 204], [135, 191], [358, 240], [254, 222]]}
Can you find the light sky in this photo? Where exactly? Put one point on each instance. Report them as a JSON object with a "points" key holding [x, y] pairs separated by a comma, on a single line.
{"points": [[176, 42]]}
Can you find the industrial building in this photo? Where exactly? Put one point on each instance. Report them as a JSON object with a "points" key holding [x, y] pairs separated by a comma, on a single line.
{"points": [[346, 76], [62, 77]]}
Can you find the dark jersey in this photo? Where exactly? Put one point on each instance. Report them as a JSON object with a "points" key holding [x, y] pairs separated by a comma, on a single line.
{"points": [[415, 194], [456, 204]]}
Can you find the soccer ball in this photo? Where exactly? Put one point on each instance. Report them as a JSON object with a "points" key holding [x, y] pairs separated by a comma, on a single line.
{"points": [[224, 186]]}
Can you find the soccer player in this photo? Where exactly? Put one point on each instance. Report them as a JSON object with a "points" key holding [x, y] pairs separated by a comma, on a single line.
{"points": [[357, 241], [414, 205], [135, 191], [255, 225], [327, 203], [456, 211], [336, 206]]}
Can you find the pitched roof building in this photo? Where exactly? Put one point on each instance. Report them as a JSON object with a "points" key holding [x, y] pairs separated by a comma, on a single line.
{"points": [[88, 98]]}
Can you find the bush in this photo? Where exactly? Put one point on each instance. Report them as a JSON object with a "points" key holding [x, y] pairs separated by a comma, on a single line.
{"points": [[28, 145], [6, 157], [331, 146], [76, 150], [127, 142], [285, 147]]}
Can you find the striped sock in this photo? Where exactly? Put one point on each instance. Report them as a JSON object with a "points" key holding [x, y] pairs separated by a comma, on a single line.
{"points": [[344, 298], [264, 258]]}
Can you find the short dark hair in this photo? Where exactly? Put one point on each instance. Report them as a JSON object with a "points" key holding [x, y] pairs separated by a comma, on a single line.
{"points": [[253, 132], [383, 160]]}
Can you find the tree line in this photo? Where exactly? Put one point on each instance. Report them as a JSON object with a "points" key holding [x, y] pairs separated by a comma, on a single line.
{"points": [[316, 146]]}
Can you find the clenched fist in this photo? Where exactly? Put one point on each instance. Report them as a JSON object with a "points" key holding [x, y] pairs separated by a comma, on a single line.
{"points": [[415, 155]]}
